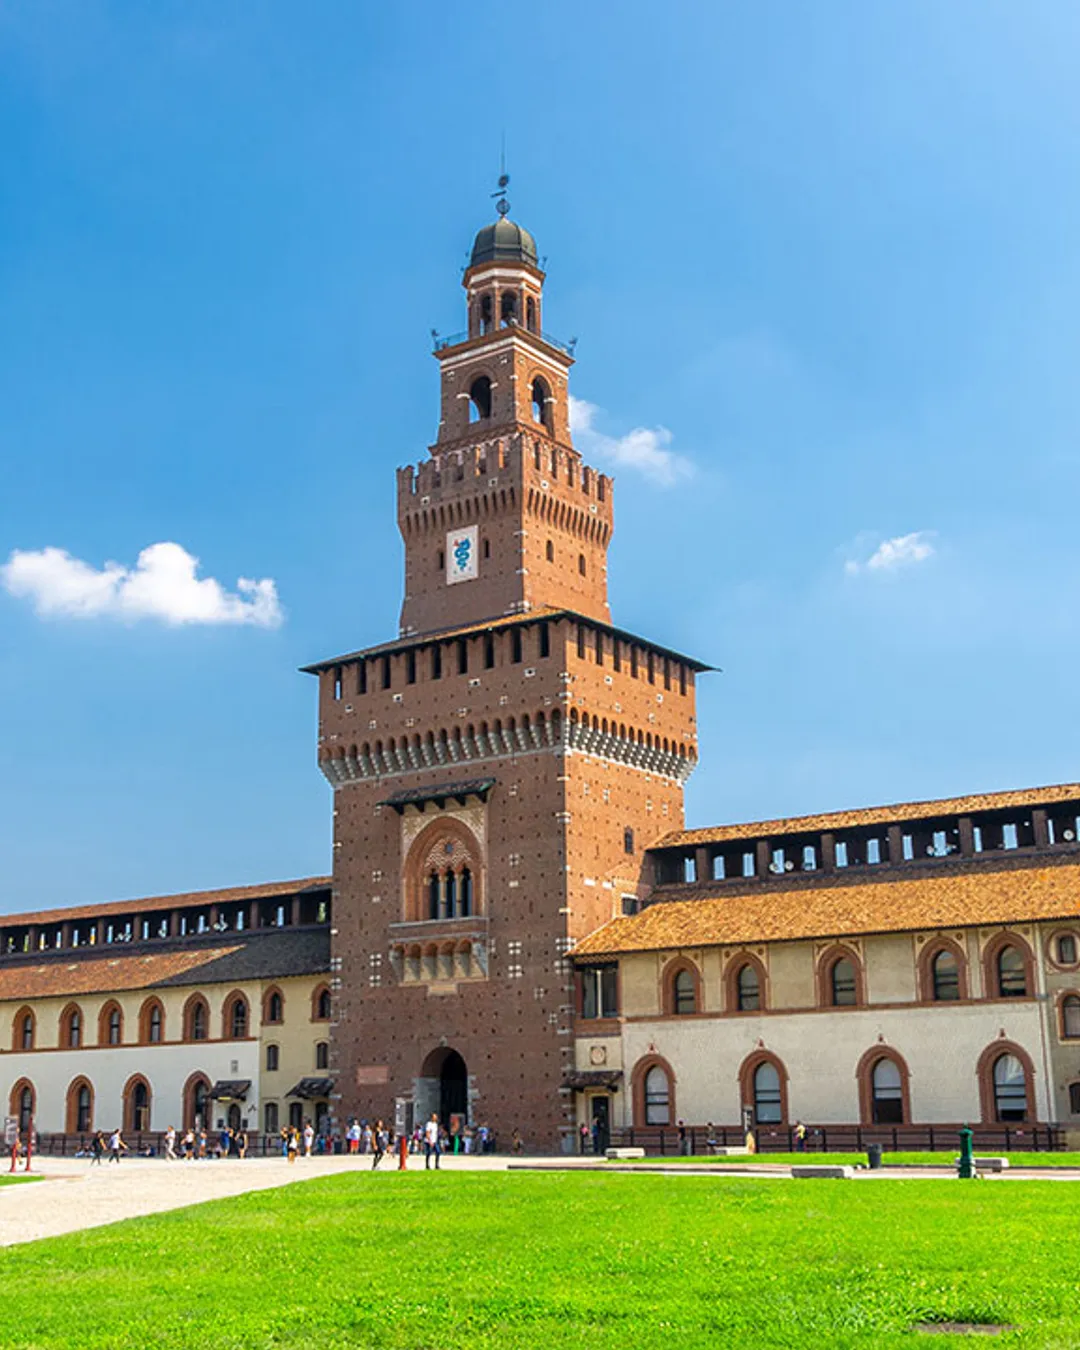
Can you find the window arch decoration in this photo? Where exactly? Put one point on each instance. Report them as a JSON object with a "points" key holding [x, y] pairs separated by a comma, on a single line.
{"points": [[24, 1031], [321, 1004], [682, 988], [942, 980], [653, 1092], [111, 1024], [480, 399], [72, 1027], [841, 977], [79, 1114], [1069, 1016], [273, 1006], [152, 1022], [1000, 1089], [760, 1087], [1008, 967], [138, 1102], [197, 1101], [444, 874], [738, 986], [22, 1104], [196, 1018], [235, 1017], [322, 1055], [884, 1087], [1063, 948], [541, 401]]}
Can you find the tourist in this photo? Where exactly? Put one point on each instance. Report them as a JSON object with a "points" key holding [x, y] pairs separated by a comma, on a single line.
{"points": [[242, 1143], [382, 1143], [597, 1136], [684, 1142], [800, 1137], [352, 1134], [365, 1138], [309, 1138], [116, 1146], [583, 1138], [202, 1144], [225, 1142], [292, 1144], [710, 1137], [432, 1141], [189, 1145], [98, 1147], [517, 1144]]}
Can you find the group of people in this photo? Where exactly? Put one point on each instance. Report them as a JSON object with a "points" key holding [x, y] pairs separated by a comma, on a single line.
{"points": [[196, 1143], [113, 1146]]}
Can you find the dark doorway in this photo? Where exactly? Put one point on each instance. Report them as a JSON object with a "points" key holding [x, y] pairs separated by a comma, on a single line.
{"points": [[600, 1124], [453, 1088], [234, 1117]]}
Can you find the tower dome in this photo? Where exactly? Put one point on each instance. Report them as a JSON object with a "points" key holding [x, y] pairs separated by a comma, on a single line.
{"points": [[504, 241]]}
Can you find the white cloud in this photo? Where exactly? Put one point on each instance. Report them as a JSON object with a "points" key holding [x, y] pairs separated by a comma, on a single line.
{"points": [[644, 449], [162, 585], [904, 550]]}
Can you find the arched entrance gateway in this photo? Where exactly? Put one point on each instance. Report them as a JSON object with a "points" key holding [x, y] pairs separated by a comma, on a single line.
{"points": [[443, 1086]]}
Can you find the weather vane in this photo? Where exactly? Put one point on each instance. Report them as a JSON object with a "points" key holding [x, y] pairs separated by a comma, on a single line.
{"points": [[502, 205]]}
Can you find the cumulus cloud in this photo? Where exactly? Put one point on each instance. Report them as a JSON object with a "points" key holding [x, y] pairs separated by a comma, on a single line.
{"points": [[892, 555], [162, 585], [645, 449]]}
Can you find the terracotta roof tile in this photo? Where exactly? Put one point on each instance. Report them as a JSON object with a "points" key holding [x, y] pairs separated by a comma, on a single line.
{"points": [[873, 815], [152, 903], [56, 979], [945, 900]]}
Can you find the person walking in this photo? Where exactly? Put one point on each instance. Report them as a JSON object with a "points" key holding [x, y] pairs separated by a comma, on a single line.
{"points": [[382, 1143], [432, 1142], [684, 1142], [242, 1143], [189, 1145], [116, 1146], [309, 1138], [800, 1137], [170, 1144], [292, 1144], [98, 1147]]}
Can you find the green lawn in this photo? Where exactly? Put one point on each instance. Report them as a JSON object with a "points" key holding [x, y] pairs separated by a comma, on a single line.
{"points": [[938, 1159], [548, 1261], [7, 1179]]}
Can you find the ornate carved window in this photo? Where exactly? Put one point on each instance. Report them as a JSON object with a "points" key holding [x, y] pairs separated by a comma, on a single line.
{"points": [[443, 874]]}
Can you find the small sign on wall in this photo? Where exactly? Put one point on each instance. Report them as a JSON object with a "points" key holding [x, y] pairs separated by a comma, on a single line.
{"points": [[461, 555]]}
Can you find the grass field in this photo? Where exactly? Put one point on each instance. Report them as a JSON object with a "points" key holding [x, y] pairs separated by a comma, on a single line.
{"points": [[938, 1159], [7, 1179], [534, 1261]]}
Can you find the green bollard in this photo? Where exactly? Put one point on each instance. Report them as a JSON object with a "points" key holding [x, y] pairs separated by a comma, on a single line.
{"points": [[965, 1167]]}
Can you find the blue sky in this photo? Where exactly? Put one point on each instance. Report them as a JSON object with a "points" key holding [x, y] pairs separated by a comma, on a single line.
{"points": [[825, 255]]}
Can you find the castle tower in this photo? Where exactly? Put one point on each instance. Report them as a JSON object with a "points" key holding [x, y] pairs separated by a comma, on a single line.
{"points": [[500, 768]]}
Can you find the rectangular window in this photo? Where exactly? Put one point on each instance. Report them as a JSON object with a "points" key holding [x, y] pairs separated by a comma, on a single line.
{"points": [[581, 641], [599, 648], [667, 673], [599, 991], [629, 905], [436, 662], [1066, 950], [361, 677], [545, 641], [616, 653], [651, 660], [489, 652], [410, 667], [463, 656], [386, 672], [337, 682], [682, 680], [515, 645], [633, 663]]}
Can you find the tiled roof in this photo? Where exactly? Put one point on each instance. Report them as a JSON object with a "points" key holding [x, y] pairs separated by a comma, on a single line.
{"points": [[873, 815], [256, 956], [148, 905], [948, 899], [544, 612]]}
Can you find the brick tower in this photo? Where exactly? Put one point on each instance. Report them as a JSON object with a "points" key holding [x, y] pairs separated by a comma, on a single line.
{"points": [[500, 768]]}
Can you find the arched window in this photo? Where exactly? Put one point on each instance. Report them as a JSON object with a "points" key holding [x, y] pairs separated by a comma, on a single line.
{"points": [[480, 399], [270, 1118], [1070, 1017], [946, 973], [541, 403], [1011, 973], [486, 312], [464, 894], [530, 314], [137, 1100], [80, 1107], [71, 1026], [151, 1022], [110, 1024], [25, 1029], [321, 1005], [768, 1100], [272, 1055], [843, 983], [236, 1018], [196, 1019], [274, 1007], [1010, 1088], [887, 1093], [508, 311], [23, 1103], [322, 1055], [657, 1097], [684, 993], [748, 988]]}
